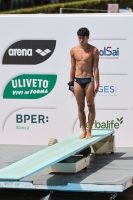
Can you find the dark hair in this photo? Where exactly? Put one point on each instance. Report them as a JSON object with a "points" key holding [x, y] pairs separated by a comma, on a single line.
{"points": [[83, 32]]}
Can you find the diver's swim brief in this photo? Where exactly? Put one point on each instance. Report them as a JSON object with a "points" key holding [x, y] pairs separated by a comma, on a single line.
{"points": [[83, 81]]}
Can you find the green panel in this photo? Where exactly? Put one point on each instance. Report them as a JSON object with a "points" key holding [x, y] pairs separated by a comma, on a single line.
{"points": [[30, 86]]}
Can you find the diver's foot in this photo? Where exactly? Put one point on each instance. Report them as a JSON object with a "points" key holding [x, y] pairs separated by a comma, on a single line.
{"points": [[88, 135], [83, 135]]}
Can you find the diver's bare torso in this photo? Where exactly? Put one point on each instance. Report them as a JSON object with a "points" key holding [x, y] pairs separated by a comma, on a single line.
{"points": [[84, 61]]}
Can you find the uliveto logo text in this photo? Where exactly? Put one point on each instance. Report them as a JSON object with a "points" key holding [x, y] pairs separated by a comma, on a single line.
{"points": [[109, 53], [29, 52], [30, 86]]}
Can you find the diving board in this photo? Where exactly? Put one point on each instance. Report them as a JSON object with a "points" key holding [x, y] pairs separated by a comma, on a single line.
{"points": [[51, 155]]}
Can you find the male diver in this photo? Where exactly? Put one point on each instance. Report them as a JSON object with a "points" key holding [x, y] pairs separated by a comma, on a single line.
{"points": [[84, 79]]}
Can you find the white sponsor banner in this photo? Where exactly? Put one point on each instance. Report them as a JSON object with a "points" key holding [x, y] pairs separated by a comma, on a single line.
{"points": [[35, 101]]}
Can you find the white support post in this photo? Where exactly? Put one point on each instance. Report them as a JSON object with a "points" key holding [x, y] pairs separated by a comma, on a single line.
{"points": [[60, 10]]}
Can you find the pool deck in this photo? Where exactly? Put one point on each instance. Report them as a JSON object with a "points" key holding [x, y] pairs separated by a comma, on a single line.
{"points": [[106, 172]]}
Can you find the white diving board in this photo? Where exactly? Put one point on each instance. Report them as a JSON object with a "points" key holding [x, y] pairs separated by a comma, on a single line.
{"points": [[51, 155]]}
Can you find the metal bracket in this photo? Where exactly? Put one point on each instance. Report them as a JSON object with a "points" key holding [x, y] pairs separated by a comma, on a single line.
{"points": [[85, 152], [113, 196], [48, 196]]}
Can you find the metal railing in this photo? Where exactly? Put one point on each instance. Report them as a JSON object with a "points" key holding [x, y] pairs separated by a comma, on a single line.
{"points": [[95, 10]]}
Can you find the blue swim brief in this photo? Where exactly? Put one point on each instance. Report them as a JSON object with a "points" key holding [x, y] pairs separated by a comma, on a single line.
{"points": [[83, 81]]}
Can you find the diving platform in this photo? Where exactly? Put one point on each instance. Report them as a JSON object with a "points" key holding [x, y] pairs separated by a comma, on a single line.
{"points": [[51, 155], [110, 173]]}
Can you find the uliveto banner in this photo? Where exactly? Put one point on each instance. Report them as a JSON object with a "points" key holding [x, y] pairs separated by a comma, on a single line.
{"points": [[29, 86]]}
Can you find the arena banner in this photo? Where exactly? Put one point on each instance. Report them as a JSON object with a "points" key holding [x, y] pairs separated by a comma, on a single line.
{"points": [[35, 102]]}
